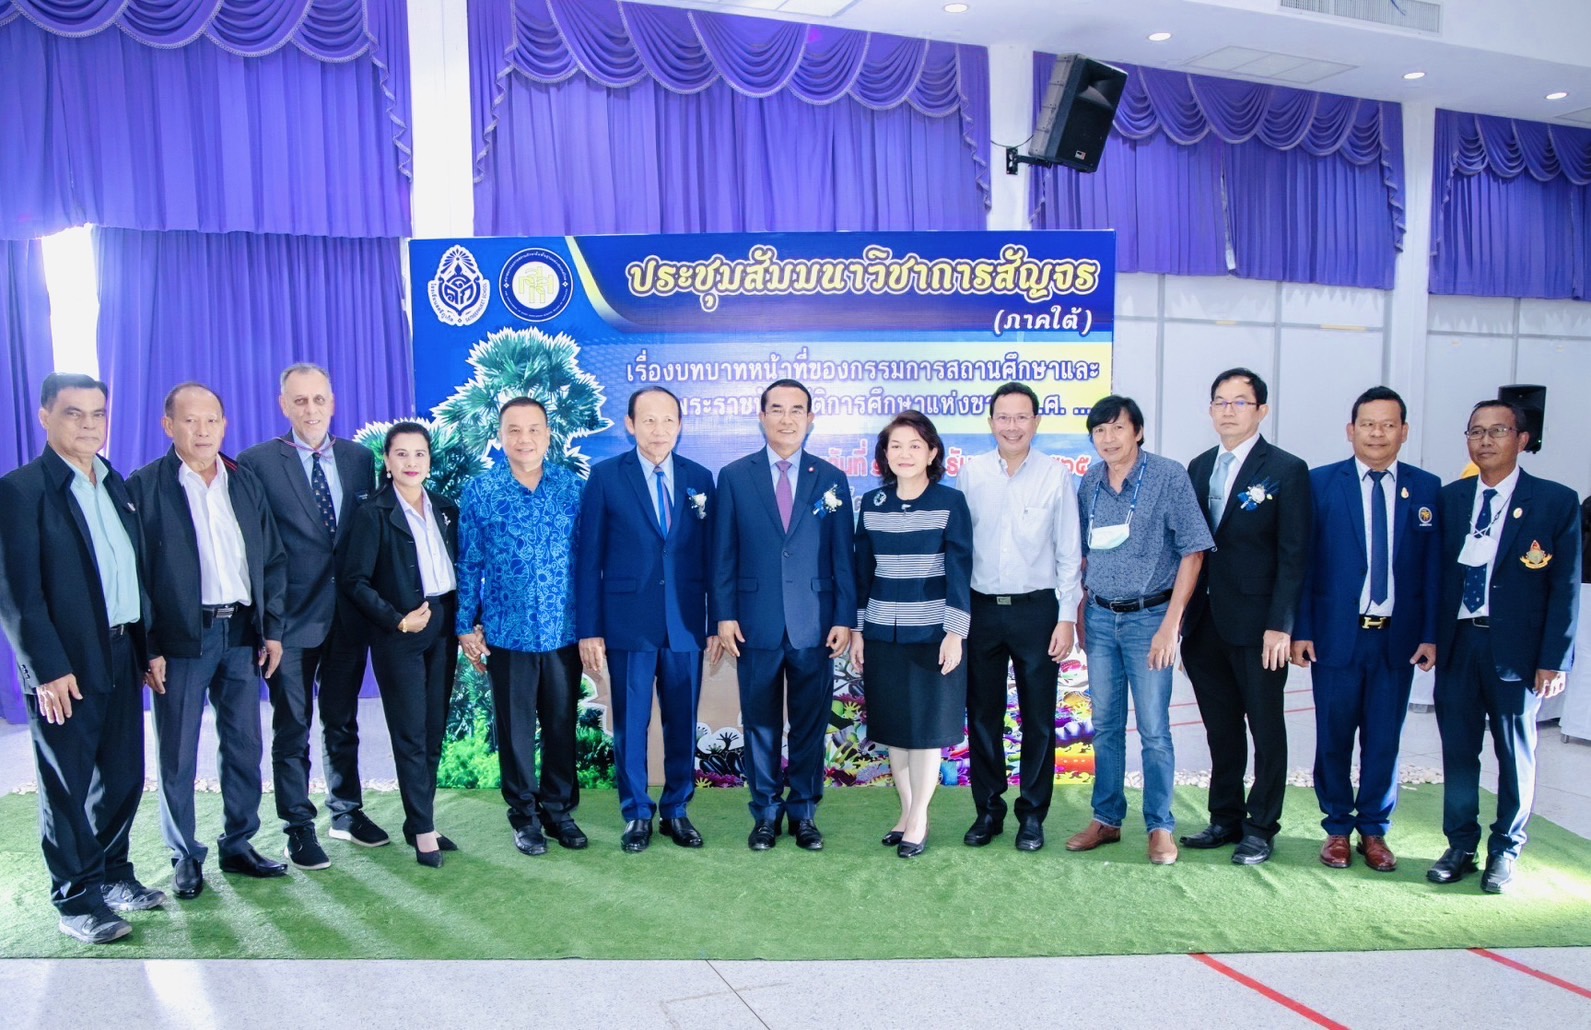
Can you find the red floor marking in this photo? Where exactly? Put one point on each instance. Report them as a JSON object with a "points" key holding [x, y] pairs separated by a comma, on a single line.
{"points": [[1538, 974], [1276, 996]]}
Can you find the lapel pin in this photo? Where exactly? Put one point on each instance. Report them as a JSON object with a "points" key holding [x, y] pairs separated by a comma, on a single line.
{"points": [[1519, 513], [1535, 558], [1405, 493]]}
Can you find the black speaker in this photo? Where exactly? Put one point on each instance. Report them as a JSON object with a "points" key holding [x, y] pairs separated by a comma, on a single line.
{"points": [[1079, 106], [1533, 400]]}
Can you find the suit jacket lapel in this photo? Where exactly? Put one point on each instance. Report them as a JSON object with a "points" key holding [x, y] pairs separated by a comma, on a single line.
{"points": [[293, 469], [806, 489], [348, 471], [1351, 496], [1247, 474], [396, 515], [762, 476], [1403, 510], [1507, 544], [631, 470]]}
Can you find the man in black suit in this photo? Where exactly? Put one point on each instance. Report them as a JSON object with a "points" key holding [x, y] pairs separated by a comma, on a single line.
{"points": [[313, 483], [1240, 619], [74, 609], [217, 576], [1505, 640]]}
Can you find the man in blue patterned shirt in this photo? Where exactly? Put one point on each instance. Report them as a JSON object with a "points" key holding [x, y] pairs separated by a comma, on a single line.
{"points": [[516, 621]]}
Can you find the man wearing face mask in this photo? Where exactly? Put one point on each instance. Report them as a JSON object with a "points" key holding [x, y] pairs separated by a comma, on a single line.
{"points": [[1144, 539]]}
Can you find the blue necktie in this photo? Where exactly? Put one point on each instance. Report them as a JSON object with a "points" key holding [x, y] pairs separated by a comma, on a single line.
{"points": [[322, 491], [1475, 575], [662, 502], [1378, 538], [1218, 486]]}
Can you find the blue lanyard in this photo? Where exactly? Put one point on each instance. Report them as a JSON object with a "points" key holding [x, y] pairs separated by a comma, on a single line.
{"points": [[1143, 468]]}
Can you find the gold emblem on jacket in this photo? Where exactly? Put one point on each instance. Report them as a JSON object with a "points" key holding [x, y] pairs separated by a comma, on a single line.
{"points": [[1535, 558]]}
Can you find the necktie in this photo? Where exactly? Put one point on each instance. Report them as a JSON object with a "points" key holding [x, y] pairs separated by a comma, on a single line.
{"points": [[784, 494], [662, 501], [1475, 575], [1378, 538], [1218, 486], [322, 492]]}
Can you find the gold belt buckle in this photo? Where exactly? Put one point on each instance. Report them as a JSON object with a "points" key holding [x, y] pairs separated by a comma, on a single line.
{"points": [[1374, 621]]}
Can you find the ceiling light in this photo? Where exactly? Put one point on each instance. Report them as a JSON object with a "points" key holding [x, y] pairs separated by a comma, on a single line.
{"points": [[955, 8], [1159, 37], [1411, 76], [1557, 96]]}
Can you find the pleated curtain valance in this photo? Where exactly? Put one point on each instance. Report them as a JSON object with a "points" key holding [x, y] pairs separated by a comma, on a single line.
{"points": [[330, 30]]}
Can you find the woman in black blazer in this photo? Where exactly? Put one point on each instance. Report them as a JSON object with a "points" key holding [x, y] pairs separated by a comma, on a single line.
{"points": [[396, 568]]}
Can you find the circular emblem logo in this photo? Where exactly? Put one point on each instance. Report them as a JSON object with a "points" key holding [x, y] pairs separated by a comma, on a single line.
{"points": [[536, 284], [459, 292]]}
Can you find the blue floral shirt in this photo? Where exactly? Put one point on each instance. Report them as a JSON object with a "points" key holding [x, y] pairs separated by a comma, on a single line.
{"points": [[516, 559]]}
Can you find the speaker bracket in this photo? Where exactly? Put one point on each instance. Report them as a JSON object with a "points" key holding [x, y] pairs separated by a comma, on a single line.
{"points": [[1013, 158]]}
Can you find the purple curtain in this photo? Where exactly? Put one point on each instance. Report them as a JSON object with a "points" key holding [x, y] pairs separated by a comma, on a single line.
{"points": [[25, 344], [1511, 208], [232, 311], [1201, 176], [599, 116], [256, 115]]}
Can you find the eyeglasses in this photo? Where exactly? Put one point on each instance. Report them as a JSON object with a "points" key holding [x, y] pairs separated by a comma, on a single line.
{"points": [[1004, 421], [1495, 432], [1240, 406]]}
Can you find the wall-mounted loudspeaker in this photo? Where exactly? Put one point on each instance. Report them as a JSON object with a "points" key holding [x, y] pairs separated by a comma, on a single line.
{"points": [[1079, 106], [1533, 401]]}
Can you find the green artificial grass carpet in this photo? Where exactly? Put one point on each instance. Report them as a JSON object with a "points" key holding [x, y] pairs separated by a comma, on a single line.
{"points": [[853, 900]]}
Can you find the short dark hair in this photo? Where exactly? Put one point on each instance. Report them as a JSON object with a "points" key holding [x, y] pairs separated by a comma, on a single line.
{"points": [[1521, 424], [780, 384], [679, 409], [171, 396], [55, 382], [918, 423], [1108, 409], [1010, 388], [521, 402], [1261, 392], [405, 428], [1380, 393]]}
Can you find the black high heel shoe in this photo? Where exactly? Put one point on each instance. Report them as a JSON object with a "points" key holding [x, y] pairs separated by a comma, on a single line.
{"points": [[892, 838], [431, 859]]}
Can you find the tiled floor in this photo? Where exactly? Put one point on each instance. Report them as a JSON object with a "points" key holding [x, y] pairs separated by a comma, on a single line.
{"points": [[1530, 988]]}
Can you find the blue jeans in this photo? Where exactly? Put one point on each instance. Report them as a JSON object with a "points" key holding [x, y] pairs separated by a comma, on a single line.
{"points": [[1118, 660]]}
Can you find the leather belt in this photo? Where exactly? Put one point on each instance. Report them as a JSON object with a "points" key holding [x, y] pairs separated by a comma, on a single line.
{"points": [[1136, 604], [214, 613], [122, 629], [1010, 599], [1479, 622], [1375, 621]]}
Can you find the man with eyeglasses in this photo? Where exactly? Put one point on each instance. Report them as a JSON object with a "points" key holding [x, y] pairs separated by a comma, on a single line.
{"points": [[1367, 617], [1026, 582], [1240, 620], [1143, 543], [1508, 606]]}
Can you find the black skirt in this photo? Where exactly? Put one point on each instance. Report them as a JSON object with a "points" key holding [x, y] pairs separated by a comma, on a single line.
{"points": [[909, 703]]}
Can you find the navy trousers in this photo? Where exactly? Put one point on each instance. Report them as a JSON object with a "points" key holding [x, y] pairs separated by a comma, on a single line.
{"points": [[333, 672], [678, 676], [800, 681], [1368, 697], [1468, 697]]}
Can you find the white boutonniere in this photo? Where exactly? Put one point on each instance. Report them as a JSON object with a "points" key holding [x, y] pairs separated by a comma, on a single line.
{"points": [[698, 502], [1257, 495], [829, 502]]}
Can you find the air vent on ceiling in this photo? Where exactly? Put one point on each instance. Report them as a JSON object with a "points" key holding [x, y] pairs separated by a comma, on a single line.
{"points": [[1404, 14]]}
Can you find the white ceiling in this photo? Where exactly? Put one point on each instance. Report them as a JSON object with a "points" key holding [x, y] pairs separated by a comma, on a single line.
{"points": [[1491, 56]]}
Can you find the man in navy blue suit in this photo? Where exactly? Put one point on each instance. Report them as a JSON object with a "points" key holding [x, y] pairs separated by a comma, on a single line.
{"points": [[1366, 618], [1510, 560], [785, 597], [641, 607]]}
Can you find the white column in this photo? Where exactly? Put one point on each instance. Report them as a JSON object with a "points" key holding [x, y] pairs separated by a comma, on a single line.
{"points": [[439, 61], [1408, 304], [1010, 123]]}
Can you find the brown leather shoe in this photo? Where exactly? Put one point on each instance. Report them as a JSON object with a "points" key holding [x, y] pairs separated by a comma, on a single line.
{"points": [[1377, 855], [1162, 850], [1097, 833], [1334, 854]]}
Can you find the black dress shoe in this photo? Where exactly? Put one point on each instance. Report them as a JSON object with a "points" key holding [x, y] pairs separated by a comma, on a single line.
{"points": [[429, 859], [442, 843], [681, 832], [762, 835], [1252, 851], [892, 838], [187, 878], [1452, 867], [637, 836], [983, 829], [806, 834], [911, 849], [1030, 835], [530, 840], [251, 863], [567, 834], [1499, 874], [1213, 836]]}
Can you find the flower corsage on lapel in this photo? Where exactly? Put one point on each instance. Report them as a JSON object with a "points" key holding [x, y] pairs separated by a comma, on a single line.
{"points": [[1257, 495], [698, 502], [828, 503]]}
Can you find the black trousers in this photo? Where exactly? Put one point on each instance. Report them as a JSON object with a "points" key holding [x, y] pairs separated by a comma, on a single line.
{"points": [[335, 671], [91, 777], [415, 673], [1234, 688], [1012, 636], [531, 688]]}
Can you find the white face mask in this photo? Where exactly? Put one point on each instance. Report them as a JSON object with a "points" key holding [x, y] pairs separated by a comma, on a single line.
{"points": [[1108, 538]]}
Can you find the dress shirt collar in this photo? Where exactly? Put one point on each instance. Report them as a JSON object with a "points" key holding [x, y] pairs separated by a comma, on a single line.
{"points": [[667, 465], [324, 450], [188, 477], [98, 479], [1364, 472], [1241, 452]]}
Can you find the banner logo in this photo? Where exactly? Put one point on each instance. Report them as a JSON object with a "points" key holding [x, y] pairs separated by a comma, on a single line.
{"points": [[536, 284], [459, 292]]}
